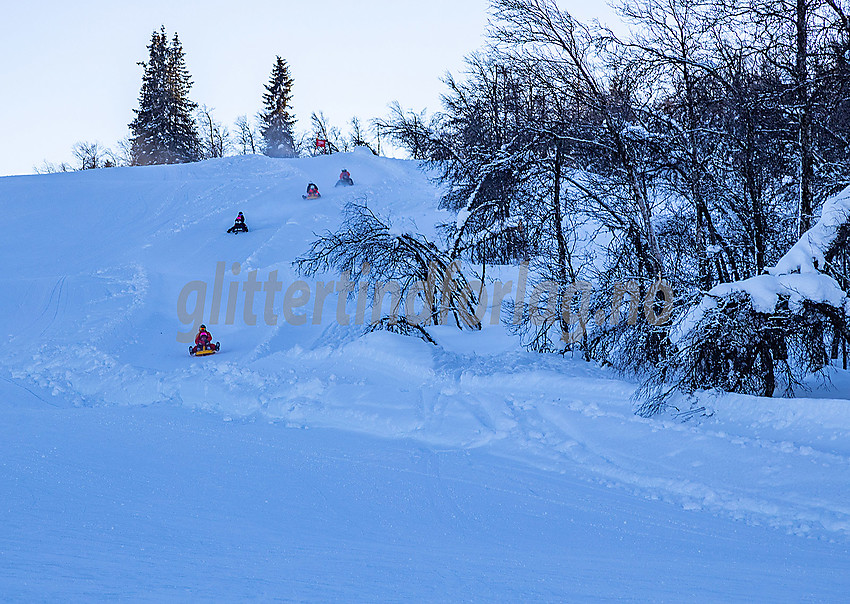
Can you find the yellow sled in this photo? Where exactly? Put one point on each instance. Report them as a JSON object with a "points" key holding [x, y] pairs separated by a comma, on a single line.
{"points": [[204, 351]]}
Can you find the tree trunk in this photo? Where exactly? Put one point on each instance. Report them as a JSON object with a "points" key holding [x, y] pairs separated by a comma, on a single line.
{"points": [[844, 274], [558, 218], [806, 203], [758, 226], [767, 367]]}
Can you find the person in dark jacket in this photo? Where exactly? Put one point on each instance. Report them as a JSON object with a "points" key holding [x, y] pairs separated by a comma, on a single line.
{"points": [[238, 224]]}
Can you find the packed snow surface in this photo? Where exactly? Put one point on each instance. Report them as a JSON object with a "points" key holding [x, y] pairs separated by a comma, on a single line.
{"points": [[313, 462]]}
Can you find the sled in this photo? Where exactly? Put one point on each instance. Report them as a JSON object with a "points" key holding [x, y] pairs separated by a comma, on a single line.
{"points": [[238, 229], [207, 350], [344, 182], [312, 196]]}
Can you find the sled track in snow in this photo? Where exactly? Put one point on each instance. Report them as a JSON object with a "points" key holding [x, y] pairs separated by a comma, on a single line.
{"points": [[56, 293]]}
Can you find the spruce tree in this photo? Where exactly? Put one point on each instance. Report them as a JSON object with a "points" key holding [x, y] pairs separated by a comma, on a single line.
{"points": [[164, 131], [186, 144], [148, 127], [277, 121]]}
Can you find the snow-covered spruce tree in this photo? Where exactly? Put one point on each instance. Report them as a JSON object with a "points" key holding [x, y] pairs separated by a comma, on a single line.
{"points": [[149, 128], [164, 131], [276, 120], [187, 145]]}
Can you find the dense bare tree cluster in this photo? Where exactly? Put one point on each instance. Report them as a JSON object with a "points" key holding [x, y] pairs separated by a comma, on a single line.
{"points": [[696, 149]]}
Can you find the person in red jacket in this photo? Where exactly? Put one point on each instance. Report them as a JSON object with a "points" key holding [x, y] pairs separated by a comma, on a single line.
{"points": [[344, 179], [203, 339]]}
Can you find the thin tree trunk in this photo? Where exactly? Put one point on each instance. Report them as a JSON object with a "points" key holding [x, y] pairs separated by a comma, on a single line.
{"points": [[806, 203], [758, 225], [844, 274], [558, 218]]}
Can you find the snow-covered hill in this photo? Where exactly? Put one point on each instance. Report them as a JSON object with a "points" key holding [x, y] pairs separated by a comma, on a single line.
{"points": [[314, 462]]}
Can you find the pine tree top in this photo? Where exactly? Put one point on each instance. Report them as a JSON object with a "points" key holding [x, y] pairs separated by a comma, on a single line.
{"points": [[278, 96], [277, 121]]}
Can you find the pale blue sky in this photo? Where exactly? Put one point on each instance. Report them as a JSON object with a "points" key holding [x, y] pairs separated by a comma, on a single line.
{"points": [[68, 69]]}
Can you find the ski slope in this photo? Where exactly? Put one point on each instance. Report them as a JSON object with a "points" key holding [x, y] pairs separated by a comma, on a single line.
{"points": [[312, 462]]}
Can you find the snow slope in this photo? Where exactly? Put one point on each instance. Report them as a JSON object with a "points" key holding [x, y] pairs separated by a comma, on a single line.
{"points": [[312, 462]]}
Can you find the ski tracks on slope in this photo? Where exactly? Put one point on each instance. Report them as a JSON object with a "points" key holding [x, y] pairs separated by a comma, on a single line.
{"points": [[563, 416], [554, 414], [561, 421], [56, 294]]}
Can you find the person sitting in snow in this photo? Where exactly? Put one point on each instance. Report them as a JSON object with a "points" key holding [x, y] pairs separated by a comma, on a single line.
{"points": [[312, 191], [238, 224], [344, 179], [203, 339]]}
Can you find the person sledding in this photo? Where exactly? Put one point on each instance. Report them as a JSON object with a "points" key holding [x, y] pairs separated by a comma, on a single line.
{"points": [[238, 225], [312, 192], [344, 179], [203, 342]]}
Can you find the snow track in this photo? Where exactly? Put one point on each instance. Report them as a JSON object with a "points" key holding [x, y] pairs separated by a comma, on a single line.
{"points": [[159, 502]]}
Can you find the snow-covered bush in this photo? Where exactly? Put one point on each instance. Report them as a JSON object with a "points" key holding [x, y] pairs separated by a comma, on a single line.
{"points": [[771, 330]]}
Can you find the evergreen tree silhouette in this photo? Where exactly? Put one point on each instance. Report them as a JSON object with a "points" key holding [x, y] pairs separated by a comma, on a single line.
{"points": [[277, 121], [164, 131]]}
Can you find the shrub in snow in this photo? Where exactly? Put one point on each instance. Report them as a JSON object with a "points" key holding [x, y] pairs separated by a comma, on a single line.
{"points": [[424, 285]]}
